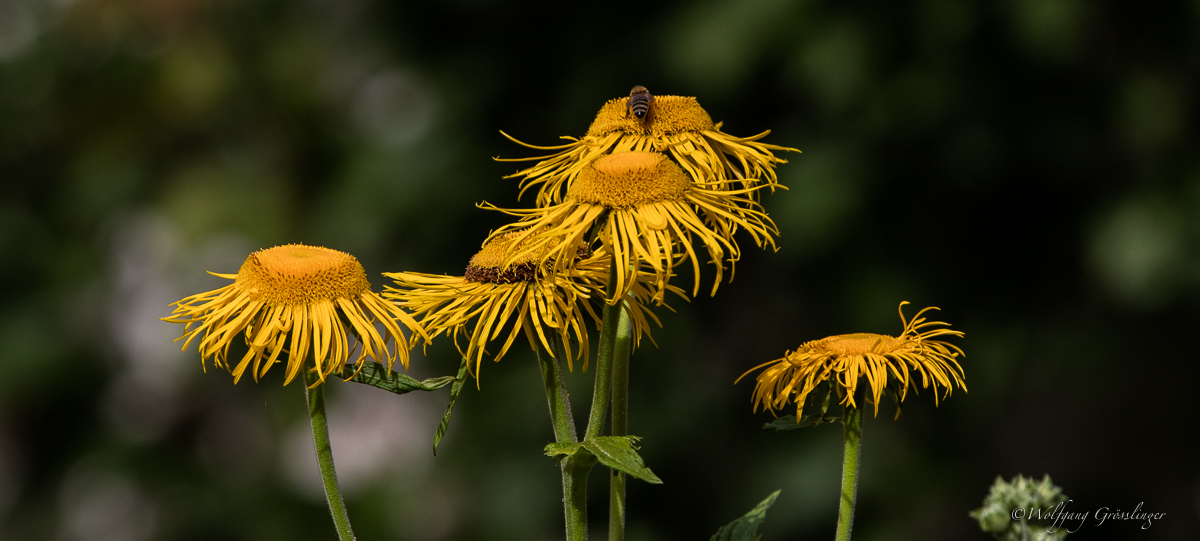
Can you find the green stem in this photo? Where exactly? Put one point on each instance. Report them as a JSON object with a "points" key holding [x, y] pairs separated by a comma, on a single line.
{"points": [[574, 472], [620, 425], [315, 395], [604, 364], [614, 339], [556, 396], [852, 418]]}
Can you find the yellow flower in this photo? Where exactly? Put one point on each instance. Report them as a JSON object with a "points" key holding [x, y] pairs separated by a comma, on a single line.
{"points": [[841, 359], [528, 291], [293, 298], [647, 210], [676, 125]]}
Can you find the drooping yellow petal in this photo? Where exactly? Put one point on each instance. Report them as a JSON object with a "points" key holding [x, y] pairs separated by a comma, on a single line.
{"points": [[642, 205], [884, 361], [507, 288], [676, 126], [292, 298]]}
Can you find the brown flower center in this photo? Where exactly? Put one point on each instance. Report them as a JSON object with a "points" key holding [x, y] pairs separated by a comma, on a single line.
{"points": [[299, 274], [669, 115], [488, 265], [629, 179]]}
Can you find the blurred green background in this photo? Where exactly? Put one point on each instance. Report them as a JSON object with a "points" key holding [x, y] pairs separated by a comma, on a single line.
{"points": [[1030, 166]]}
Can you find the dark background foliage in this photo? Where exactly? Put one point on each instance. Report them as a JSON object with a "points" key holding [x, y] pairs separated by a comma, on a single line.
{"points": [[1029, 166]]}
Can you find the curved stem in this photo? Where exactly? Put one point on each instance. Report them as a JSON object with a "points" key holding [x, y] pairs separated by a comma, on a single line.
{"points": [[315, 397], [620, 424], [852, 418]]}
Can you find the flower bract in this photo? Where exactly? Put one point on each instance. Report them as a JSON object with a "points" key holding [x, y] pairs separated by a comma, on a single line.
{"points": [[883, 360], [289, 302]]}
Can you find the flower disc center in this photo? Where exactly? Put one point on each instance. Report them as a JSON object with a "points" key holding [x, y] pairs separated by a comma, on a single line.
{"points": [[667, 116], [859, 344], [299, 274], [629, 179], [488, 264]]}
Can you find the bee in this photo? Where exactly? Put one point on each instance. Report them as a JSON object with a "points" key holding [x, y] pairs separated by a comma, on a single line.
{"points": [[640, 101]]}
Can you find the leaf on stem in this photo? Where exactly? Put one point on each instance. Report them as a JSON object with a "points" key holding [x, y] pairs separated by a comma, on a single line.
{"points": [[377, 375], [615, 452], [564, 450], [458, 380], [745, 528], [788, 422]]}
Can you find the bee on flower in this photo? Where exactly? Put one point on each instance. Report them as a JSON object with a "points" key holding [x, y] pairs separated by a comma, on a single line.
{"points": [[674, 125]]}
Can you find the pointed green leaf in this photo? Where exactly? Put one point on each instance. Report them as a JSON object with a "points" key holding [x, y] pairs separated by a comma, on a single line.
{"points": [[616, 452], [746, 527], [458, 380], [377, 375], [788, 422], [619, 453]]}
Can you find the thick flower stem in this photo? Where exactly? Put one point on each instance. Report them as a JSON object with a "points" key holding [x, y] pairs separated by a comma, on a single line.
{"points": [[602, 393], [315, 396], [620, 425], [852, 418], [556, 396], [574, 471], [614, 344]]}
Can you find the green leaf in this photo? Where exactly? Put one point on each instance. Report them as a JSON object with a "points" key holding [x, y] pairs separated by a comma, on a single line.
{"points": [[746, 527], [788, 422], [377, 375], [615, 452], [619, 453], [458, 380]]}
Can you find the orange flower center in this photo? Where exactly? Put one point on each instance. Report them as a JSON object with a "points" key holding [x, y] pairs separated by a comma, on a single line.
{"points": [[857, 344], [299, 274], [668, 115], [630, 179]]}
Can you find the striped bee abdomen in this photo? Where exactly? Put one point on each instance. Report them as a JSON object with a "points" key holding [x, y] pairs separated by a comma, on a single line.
{"points": [[640, 101]]}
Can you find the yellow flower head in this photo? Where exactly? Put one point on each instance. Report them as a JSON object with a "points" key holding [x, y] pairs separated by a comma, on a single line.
{"points": [[648, 210], [293, 298], [675, 125], [840, 360], [540, 300]]}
